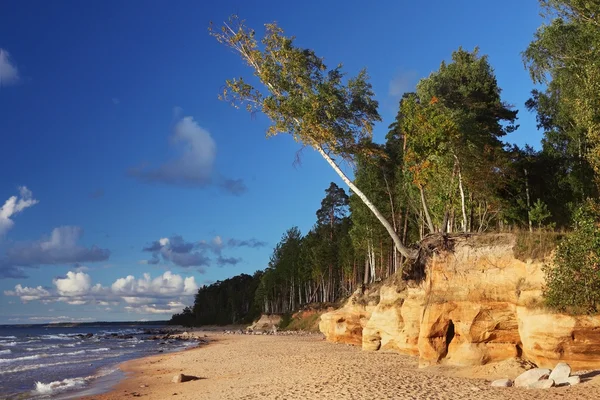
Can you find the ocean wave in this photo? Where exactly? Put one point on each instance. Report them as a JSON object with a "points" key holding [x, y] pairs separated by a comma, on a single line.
{"points": [[59, 386], [72, 353], [8, 337], [53, 388], [48, 346], [24, 358], [60, 336], [99, 350], [30, 367], [7, 351], [9, 344]]}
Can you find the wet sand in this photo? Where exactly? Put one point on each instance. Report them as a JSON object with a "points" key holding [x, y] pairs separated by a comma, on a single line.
{"points": [[308, 367]]}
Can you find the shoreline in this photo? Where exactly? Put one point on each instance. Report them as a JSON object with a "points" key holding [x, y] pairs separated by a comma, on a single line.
{"points": [[301, 367]]}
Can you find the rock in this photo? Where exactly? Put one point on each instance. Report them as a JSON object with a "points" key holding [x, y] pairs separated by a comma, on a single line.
{"points": [[560, 373], [346, 324], [179, 378], [265, 323], [143, 386], [502, 383], [533, 375], [543, 384], [573, 380]]}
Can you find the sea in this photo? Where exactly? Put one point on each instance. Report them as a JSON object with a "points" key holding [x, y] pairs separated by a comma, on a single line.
{"points": [[46, 362]]}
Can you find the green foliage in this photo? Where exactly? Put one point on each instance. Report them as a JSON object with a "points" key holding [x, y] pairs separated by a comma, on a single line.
{"points": [[539, 213], [224, 302], [573, 282], [286, 319], [318, 106], [564, 55]]}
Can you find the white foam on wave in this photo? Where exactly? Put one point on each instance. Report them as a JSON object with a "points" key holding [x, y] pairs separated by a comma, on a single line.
{"points": [[48, 346], [30, 367], [99, 350], [59, 386], [7, 351], [17, 359], [6, 344], [8, 337], [55, 387], [72, 353], [60, 336]]}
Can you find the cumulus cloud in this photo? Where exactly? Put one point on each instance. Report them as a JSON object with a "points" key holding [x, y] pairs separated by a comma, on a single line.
{"points": [[9, 74], [177, 251], [403, 82], [28, 293], [197, 152], [164, 294], [193, 166], [196, 254], [61, 247], [14, 205]]}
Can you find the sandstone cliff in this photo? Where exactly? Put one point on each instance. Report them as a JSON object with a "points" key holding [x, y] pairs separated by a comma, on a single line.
{"points": [[477, 304]]}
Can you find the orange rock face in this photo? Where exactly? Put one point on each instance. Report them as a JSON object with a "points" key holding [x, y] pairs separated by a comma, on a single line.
{"points": [[478, 304]]}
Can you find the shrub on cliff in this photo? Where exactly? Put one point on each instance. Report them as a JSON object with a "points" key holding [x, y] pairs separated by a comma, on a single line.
{"points": [[573, 282]]}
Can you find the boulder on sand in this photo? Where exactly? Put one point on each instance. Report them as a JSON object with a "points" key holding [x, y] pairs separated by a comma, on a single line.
{"points": [[543, 384], [560, 373], [533, 375]]}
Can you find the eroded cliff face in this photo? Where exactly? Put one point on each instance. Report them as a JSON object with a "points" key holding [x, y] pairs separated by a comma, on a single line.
{"points": [[477, 304]]}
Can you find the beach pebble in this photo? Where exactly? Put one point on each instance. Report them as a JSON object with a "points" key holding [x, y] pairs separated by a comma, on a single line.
{"points": [[543, 384], [179, 378], [560, 373], [531, 376], [502, 383]]}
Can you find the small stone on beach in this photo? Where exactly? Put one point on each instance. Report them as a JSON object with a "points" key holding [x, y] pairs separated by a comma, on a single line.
{"points": [[179, 378], [502, 383]]}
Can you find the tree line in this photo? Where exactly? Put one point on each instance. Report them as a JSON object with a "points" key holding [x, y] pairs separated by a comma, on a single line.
{"points": [[443, 167]]}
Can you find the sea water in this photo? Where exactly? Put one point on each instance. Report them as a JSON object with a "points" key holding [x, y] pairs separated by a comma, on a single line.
{"points": [[42, 362]]}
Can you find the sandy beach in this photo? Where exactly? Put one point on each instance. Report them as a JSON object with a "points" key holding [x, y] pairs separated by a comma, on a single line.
{"points": [[308, 367]]}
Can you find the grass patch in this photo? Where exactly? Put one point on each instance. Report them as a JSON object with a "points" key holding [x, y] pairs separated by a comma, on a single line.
{"points": [[286, 319], [308, 322], [536, 246]]}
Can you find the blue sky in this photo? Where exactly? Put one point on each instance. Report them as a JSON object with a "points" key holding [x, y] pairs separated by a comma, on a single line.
{"points": [[128, 183]]}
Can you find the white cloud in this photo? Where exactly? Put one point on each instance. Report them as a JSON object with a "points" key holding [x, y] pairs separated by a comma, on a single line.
{"points": [[75, 284], [14, 205], [28, 293], [194, 164], [9, 74], [164, 294]]}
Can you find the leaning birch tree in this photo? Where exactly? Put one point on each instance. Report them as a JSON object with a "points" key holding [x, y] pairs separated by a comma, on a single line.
{"points": [[320, 108]]}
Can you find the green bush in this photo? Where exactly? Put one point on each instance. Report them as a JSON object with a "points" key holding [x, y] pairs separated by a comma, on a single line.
{"points": [[573, 282], [285, 321]]}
